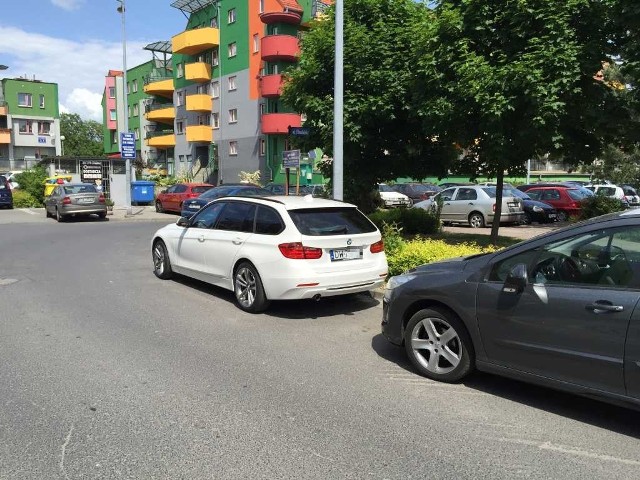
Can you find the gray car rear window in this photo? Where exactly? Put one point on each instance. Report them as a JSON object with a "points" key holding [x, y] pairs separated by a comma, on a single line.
{"points": [[331, 221]]}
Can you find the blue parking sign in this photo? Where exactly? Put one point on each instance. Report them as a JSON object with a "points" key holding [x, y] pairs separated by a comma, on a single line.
{"points": [[127, 145]]}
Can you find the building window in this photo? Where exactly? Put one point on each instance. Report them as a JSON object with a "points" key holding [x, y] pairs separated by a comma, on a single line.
{"points": [[180, 98], [256, 43], [41, 101], [232, 49], [112, 92], [136, 132], [262, 72], [263, 147], [215, 119], [44, 128], [135, 85], [129, 111], [112, 115], [262, 109], [24, 100], [214, 57], [114, 137], [215, 89], [233, 115], [233, 147], [261, 6], [128, 87], [214, 22], [204, 119], [232, 83], [135, 110], [25, 126], [179, 127], [203, 89], [231, 15], [180, 70]]}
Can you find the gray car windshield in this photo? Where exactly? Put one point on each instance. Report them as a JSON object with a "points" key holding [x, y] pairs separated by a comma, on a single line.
{"points": [[331, 221]]}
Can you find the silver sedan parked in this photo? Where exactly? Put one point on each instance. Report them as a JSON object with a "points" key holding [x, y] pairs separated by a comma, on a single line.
{"points": [[75, 199], [474, 205]]}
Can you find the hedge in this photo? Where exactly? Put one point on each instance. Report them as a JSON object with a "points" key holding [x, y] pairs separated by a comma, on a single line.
{"points": [[23, 199], [599, 205], [412, 220]]}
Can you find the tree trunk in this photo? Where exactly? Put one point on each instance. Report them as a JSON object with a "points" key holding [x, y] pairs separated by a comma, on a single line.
{"points": [[495, 226]]}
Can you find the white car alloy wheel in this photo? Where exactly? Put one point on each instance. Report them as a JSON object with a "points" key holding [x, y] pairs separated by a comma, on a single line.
{"points": [[248, 289], [161, 263]]}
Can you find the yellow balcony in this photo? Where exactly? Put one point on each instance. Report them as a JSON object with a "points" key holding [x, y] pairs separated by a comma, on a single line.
{"points": [[200, 102], [191, 42], [160, 140], [198, 72], [164, 115], [199, 133], [163, 87], [5, 136]]}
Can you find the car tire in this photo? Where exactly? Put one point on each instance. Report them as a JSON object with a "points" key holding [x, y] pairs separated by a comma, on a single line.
{"points": [[159, 208], [476, 220], [102, 215], [526, 220], [161, 263], [248, 289], [59, 216], [447, 360], [46, 213], [562, 216]]}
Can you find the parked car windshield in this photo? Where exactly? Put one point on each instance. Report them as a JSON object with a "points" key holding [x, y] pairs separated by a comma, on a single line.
{"points": [[3, 182], [201, 188], [385, 188], [608, 191], [331, 221], [577, 194], [71, 189]]}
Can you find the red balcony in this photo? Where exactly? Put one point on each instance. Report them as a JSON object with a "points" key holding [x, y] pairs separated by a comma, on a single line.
{"points": [[290, 17], [280, 47], [279, 123], [271, 86]]}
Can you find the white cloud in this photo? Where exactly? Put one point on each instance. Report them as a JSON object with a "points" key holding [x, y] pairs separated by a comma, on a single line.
{"points": [[79, 69], [68, 4]]}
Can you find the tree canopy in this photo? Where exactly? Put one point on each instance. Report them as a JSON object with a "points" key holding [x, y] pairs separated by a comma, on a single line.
{"points": [[82, 138]]}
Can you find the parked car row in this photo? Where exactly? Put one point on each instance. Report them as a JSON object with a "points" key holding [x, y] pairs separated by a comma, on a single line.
{"points": [[6, 197]]}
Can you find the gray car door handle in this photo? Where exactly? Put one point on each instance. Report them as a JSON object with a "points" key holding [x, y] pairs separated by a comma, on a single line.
{"points": [[602, 307], [470, 203], [201, 238], [237, 241]]}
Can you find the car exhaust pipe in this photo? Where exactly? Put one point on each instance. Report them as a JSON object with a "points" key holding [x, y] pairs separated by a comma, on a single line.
{"points": [[316, 297]]}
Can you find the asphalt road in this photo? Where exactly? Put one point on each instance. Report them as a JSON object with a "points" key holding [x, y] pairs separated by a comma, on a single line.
{"points": [[108, 372]]}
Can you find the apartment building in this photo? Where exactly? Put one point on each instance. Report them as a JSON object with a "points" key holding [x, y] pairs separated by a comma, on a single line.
{"points": [[29, 122], [212, 105]]}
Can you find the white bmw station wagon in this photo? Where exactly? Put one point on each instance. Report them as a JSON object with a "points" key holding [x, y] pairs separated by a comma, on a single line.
{"points": [[274, 248]]}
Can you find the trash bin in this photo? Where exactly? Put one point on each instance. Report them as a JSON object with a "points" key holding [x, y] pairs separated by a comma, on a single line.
{"points": [[142, 192]]}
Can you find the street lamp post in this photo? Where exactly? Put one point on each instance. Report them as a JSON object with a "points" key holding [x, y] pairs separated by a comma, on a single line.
{"points": [[125, 123], [62, 139], [338, 88]]}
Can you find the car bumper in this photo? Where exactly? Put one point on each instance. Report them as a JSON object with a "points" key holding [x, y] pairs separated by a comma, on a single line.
{"points": [[82, 209], [392, 325], [509, 217], [396, 203], [6, 201]]}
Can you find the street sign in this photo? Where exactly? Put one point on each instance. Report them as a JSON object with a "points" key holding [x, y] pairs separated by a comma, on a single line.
{"points": [[299, 131], [127, 145], [291, 158]]}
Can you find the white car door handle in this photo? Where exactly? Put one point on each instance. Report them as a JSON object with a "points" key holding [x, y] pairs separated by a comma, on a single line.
{"points": [[237, 241], [201, 238]]}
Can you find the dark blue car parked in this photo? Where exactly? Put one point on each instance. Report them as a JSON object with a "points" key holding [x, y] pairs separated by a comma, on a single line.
{"points": [[6, 197], [191, 206]]}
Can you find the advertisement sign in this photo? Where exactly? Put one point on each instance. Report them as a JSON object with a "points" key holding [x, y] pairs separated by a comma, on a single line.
{"points": [[291, 158], [90, 171]]}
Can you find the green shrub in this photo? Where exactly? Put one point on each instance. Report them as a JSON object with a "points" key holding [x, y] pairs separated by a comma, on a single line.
{"points": [[599, 205], [23, 199], [392, 235], [32, 182], [411, 221], [420, 251]]}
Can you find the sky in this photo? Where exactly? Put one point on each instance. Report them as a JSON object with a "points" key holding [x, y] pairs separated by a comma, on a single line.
{"points": [[74, 43]]}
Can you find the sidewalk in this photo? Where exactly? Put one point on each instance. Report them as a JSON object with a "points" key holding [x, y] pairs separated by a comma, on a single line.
{"points": [[146, 213], [522, 232]]}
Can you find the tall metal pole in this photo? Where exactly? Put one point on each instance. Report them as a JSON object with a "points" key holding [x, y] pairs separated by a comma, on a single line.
{"points": [[125, 124], [338, 89], [220, 118]]}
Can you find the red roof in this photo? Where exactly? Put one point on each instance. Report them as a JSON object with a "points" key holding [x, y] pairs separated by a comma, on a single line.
{"points": [[290, 5]]}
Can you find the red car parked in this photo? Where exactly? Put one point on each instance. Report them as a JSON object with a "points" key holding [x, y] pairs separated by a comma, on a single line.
{"points": [[566, 200], [170, 200]]}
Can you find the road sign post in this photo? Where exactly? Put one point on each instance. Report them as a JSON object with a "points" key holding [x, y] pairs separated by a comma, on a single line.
{"points": [[290, 159], [128, 152]]}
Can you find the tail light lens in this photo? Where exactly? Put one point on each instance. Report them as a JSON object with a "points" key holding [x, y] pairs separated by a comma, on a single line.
{"points": [[377, 247], [297, 251], [66, 201], [494, 208], [101, 198]]}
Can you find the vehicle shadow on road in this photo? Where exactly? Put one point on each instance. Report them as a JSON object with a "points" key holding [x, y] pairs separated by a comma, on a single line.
{"points": [[599, 414], [293, 309]]}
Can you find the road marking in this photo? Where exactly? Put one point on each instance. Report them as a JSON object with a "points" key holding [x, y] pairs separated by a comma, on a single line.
{"points": [[64, 448], [28, 210], [7, 281]]}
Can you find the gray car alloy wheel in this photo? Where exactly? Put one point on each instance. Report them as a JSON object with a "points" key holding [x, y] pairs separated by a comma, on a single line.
{"points": [[436, 345], [476, 220]]}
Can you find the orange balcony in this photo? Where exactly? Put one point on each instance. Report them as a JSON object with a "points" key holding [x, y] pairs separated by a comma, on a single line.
{"points": [[200, 102], [279, 123], [291, 17], [4, 110], [191, 42], [198, 72], [161, 139], [161, 114], [162, 87], [199, 133], [280, 47], [271, 86], [5, 136]]}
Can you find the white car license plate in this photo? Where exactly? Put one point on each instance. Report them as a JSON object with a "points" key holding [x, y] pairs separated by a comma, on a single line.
{"points": [[85, 200], [194, 207], [345, 254], [552, 215]]}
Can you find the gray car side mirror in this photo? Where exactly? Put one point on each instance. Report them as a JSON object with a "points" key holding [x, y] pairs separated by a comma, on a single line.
{"points": [[184, 222], [516, 281]]}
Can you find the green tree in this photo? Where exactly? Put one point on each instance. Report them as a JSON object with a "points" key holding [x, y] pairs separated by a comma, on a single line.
{"points": [[83, 138], [383, 138], [509, 80]]}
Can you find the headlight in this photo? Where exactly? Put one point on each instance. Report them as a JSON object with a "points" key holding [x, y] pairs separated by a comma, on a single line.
{"points": [[400, 280], [538, 209]]}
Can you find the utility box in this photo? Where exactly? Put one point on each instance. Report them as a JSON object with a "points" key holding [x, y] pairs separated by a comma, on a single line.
{"points": [[142, 192]]}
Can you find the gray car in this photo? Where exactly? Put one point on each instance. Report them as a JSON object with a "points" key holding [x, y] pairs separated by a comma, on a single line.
{"points": [[560, 310], [474, 205], [75, 199]]}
